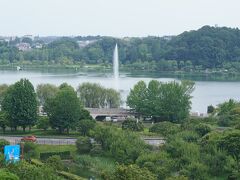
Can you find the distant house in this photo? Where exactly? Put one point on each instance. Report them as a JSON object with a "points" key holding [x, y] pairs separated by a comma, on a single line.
{"points": [[38, 46], [85, 43], [23, 46]]}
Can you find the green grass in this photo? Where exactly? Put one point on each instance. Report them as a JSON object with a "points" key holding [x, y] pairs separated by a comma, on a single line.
{"points": [[55, 148], [93, 165]]}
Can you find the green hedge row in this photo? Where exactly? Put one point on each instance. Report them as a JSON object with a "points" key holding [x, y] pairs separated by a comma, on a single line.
{"points": [[64, 155], [69, 175]]}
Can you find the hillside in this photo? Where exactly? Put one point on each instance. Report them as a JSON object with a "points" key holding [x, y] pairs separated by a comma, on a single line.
{"points": [[208, 47]]}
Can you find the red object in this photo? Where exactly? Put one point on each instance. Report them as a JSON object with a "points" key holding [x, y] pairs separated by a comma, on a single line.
{"points": [[29, 138]]}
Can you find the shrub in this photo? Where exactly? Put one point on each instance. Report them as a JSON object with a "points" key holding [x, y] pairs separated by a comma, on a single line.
{"points": [[188, 136], [5, 175], [195, 170], [3, 143], [96, 150], [64, 155], [85, 125], [29, 150], [83, 144], [29, 171], [165, 128], [133, 125], [224, 121], [159, 163], [43, 123], [55, 162], [202, 129], [133, 172]]}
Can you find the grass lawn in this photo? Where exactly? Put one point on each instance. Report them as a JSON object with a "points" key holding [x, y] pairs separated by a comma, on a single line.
{"points": [[55, 148]]}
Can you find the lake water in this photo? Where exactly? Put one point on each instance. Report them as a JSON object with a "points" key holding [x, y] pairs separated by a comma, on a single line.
{"points": [[207, 92]]}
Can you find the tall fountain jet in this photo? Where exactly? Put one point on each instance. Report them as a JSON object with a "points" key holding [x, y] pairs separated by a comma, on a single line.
{"points": [[116, 67]]}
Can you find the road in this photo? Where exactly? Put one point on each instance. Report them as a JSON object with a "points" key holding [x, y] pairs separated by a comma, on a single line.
{"points": [[42, 140], [71, 141]]}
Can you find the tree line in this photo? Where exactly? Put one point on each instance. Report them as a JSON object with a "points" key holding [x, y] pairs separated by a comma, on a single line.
{"points": [[205, 48], [64, 106]]}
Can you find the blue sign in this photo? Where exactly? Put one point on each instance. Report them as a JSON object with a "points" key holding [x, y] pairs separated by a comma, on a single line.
{"points": [[12, 153]]}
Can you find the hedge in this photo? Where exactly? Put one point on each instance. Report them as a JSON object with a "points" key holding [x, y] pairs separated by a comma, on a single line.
{"points": [[64, 155], [70, 176]]}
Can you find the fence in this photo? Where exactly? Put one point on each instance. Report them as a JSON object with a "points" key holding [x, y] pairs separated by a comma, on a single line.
{"points": [[50, 141]]}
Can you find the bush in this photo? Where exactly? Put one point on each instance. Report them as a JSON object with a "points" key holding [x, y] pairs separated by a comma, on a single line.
{"points": [[3, 143], [29, 171], [5, 175], [202, 129], [55, 162], [225, 121], [133, 125], [195, 170], [188, 136], [64, 155], [159, 163], [96, 150], [84, 126], [43, 123], [165, 128], [132, 172], [29, 149], [83, 145]]}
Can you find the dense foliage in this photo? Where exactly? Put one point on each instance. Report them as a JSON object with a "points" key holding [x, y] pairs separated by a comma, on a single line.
{"points": [[132, 124], [20, 104], [208, 47], [64, 109], [162, 101], [94, 95]]}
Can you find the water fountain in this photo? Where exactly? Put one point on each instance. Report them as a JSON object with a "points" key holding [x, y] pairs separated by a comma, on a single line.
{"points": [[116, 67]]}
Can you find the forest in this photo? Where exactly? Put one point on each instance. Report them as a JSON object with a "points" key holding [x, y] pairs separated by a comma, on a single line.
{"points": [[214, 48]]}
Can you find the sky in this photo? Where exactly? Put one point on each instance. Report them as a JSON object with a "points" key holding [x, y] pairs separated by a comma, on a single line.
{"points": [[118, 18]]}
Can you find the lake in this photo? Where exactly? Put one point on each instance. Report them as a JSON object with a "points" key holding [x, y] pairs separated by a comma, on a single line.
{"points": [[208, 90]]}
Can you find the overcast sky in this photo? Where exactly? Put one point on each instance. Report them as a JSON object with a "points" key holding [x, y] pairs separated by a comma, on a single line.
{"points": [[114, 17]]}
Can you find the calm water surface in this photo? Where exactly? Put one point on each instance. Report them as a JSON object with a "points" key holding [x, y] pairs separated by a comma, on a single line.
{"points": [[206, 92]]}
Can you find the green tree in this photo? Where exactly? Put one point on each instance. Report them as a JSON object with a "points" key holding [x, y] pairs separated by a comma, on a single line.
{"points": [[55, 162], [137, 97], [45, 92], [64, 109], [132, 124], [124, 146], [83, 144], [196, 170], [96, 96], [158, 163], [92, 95], [43, 123], [231, 144], [133, 172], [3, 90], [3, 121], [20, 104], [162, 101], [113, 98], [85, 125], [202, 129]]}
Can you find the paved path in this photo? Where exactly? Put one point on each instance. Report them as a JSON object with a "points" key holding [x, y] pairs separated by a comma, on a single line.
{"points": [[42, 140]]}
